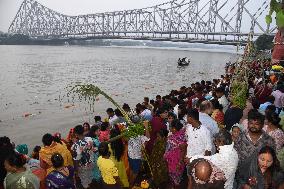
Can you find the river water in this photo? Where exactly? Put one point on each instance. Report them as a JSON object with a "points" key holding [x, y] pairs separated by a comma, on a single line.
{"points": [[33, 79]]}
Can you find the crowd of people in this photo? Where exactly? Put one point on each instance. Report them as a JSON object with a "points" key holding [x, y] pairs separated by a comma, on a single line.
{"points": [[195, 138]]}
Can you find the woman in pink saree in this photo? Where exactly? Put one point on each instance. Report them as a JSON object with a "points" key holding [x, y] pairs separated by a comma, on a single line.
{"points": [[175, 152]]}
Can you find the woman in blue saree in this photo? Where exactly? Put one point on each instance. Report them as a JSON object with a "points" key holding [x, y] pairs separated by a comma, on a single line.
{"points": [[62, 177]]}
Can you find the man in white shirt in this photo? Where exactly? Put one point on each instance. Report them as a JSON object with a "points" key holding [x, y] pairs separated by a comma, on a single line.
{"points": [[174, 104], [220, 93], [111, 116], [147, 104], [199, 141], [204, 110], [226, 159], [146, 114]]}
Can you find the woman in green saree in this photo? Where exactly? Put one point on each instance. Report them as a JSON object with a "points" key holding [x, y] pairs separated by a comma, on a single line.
{"points": [[19, 177], [157, 163]]}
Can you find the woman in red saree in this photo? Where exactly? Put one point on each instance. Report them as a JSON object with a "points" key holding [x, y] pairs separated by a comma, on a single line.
{"points": [[157, 123], [278, 49], [218, 114]]}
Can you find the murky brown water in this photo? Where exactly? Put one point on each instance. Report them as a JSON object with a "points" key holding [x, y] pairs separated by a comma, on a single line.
{"points": [[33, 77]]}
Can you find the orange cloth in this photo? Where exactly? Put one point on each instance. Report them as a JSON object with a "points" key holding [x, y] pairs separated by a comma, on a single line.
{"points": [[273, 79], [46, 152], [125, 160], [41, 174], [218, 116]]}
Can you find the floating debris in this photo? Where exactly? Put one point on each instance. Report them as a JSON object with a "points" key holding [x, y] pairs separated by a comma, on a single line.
{"points": [[69, 106], [28, 114]]}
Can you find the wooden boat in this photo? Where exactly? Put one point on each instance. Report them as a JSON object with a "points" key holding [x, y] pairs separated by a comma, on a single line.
{"points": [[184, 63]]}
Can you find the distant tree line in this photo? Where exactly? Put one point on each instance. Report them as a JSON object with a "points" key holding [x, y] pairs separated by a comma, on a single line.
{"points": [[264, 42], [20, 39], [17, 39]]}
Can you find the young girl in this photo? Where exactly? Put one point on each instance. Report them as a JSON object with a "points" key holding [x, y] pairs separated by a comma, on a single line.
{"points": [[171, 117], [116, 149], [35, 153], [94, 133], [263, 172], [104, 133], [107, 167], [87, 127], [236, 131]]}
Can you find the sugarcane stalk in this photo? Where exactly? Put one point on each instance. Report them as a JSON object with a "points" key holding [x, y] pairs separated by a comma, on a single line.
{"points": [[88, 92]]}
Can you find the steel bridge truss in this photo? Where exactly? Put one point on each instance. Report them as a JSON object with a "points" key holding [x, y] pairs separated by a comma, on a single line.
{"points": [[178, 19]]}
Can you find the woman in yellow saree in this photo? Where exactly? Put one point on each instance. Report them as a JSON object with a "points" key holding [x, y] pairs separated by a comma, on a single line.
{"points": [[51, 147]]}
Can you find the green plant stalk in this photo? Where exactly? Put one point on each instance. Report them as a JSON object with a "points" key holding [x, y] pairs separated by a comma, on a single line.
{"points": [[125, 115], [88, 92]]}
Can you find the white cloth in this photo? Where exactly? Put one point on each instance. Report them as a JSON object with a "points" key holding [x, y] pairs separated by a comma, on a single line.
{"points": [[251, 92], [86, 175], [83, 151], [176, 110], [198, 140], [146, 113], [209, 123], [279, 98], [227, 160], [135, 146], [224, 102], [112, 120]]}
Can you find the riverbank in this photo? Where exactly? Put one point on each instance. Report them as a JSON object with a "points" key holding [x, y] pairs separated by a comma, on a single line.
{"points": [[33, 78]]}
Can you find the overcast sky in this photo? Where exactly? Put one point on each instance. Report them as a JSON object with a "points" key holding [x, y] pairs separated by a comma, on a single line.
{"points": [[9, 8]]}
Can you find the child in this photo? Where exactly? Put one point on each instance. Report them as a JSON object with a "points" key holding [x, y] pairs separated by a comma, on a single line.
{"points": [[107, 167], [35, 153], [98, 121], [236, 131], [94, 134], [104, 133]]}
